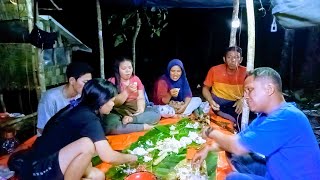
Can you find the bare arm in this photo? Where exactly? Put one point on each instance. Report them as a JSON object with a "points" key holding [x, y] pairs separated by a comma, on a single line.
{"points": [[201, 155], [227, 142], [107, 154], [207, 95], [121, 98], [141, 102], [166, 99], [161, 92]]}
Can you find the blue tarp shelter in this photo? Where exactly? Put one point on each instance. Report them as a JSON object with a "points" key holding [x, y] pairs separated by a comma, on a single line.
{"points": [[289, 13]]}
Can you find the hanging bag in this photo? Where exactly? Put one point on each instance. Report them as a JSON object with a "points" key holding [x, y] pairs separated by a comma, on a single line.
{"points": [[42, 39]]}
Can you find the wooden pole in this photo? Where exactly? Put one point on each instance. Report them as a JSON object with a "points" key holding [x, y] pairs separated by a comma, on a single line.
{"points": [[3, 105], [250, 56], [134, 41], [233, 33], [101, 49], [39, 57]]}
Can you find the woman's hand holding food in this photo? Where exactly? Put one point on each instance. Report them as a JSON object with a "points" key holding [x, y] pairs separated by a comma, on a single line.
{"points": [[132, 87], [174, 92]]}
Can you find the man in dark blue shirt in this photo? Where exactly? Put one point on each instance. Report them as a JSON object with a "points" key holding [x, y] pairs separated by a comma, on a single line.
{"points": [[281, 133]]}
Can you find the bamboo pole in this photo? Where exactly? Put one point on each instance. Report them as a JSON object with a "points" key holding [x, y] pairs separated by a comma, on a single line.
{"points": [[102, 75], [250, 56], [134, 41], [233, 33], [34, 50], [39, 58], [14, 121], [3, 105]]}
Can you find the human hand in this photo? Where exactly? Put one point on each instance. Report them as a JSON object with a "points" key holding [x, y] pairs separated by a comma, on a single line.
{"points": [[127, 119], [181, 109], [238, 104], [174, 92], [139, 111], [132, 87], [215, 106], [200, 156], [132, 160]]}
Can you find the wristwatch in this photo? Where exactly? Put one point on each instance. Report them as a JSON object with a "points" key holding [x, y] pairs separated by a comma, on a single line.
{"points": [[208, 131]]}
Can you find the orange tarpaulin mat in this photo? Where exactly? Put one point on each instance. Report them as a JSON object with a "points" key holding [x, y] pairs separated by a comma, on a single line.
{"points": [[117, 142], [223, 165], [25, 145], [120, 142]]}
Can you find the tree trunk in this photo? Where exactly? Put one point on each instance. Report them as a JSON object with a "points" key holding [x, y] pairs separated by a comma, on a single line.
{"points": [[250, 55], [233, 33], [309, 73], [287, 58], [101, 51], [134, 41]]}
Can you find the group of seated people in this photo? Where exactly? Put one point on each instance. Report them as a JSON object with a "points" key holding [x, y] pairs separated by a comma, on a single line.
{"points": [[73, 120], [131, 114]]}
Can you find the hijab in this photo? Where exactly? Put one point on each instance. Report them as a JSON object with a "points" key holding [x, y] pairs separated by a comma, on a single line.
{"points": [[181, 83]]}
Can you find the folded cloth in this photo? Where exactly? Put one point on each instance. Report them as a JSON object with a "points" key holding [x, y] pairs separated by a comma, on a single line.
{"points": [[166, 111]]}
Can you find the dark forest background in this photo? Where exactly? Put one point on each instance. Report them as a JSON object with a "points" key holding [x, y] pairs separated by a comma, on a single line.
{"points": [[198, 37]]}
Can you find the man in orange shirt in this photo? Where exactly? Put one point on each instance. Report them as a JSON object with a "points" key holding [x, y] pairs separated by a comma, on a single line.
{"points": [[223, 86]]}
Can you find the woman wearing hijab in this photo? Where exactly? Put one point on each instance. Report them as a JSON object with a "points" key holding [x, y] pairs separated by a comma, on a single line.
{"points": [[173, 88]]}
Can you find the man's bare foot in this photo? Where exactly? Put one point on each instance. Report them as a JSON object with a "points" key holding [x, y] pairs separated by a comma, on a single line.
{"points": [[127, 119], [147, 127]]}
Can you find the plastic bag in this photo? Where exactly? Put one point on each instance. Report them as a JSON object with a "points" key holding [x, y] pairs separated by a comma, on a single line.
{"points": [[166, 111], [205, 106]]}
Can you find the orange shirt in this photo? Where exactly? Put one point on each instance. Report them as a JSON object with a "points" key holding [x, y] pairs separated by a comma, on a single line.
{"points": [[224, 85]]}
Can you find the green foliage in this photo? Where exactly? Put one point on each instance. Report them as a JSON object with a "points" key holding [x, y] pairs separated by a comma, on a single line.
{"points": [[211, 162], [123, 24], [166, 166], [96, 160], [116, 172], [16, 66]]}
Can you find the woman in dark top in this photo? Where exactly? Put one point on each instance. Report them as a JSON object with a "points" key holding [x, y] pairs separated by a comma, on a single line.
{"points": [[72, 136]]}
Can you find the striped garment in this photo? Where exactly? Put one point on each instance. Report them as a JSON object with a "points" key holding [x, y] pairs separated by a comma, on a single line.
{"points": [[224, 85]]}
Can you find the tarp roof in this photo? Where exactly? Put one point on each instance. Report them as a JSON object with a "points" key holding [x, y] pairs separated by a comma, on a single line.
{"points": [[72, 40], [181, 3]]}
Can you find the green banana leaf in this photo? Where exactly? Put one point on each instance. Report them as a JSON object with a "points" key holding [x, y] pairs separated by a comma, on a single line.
{"points": [[167, 165], [211, 162]]}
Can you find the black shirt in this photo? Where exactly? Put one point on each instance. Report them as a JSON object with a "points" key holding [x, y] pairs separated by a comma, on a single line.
{"points": [[68, 127]]}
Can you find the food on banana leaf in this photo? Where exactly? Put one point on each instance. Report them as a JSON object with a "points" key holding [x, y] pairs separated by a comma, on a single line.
{"points": [[160, 158], [201, 117], [160, 150], [176, 104], [184, 171]]}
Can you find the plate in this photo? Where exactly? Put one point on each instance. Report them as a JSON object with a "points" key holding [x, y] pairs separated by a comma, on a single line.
{"points": [[141, 176]]}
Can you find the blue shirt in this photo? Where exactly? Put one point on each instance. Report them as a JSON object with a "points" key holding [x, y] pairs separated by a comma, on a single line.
{"points": [[286, 138]]}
